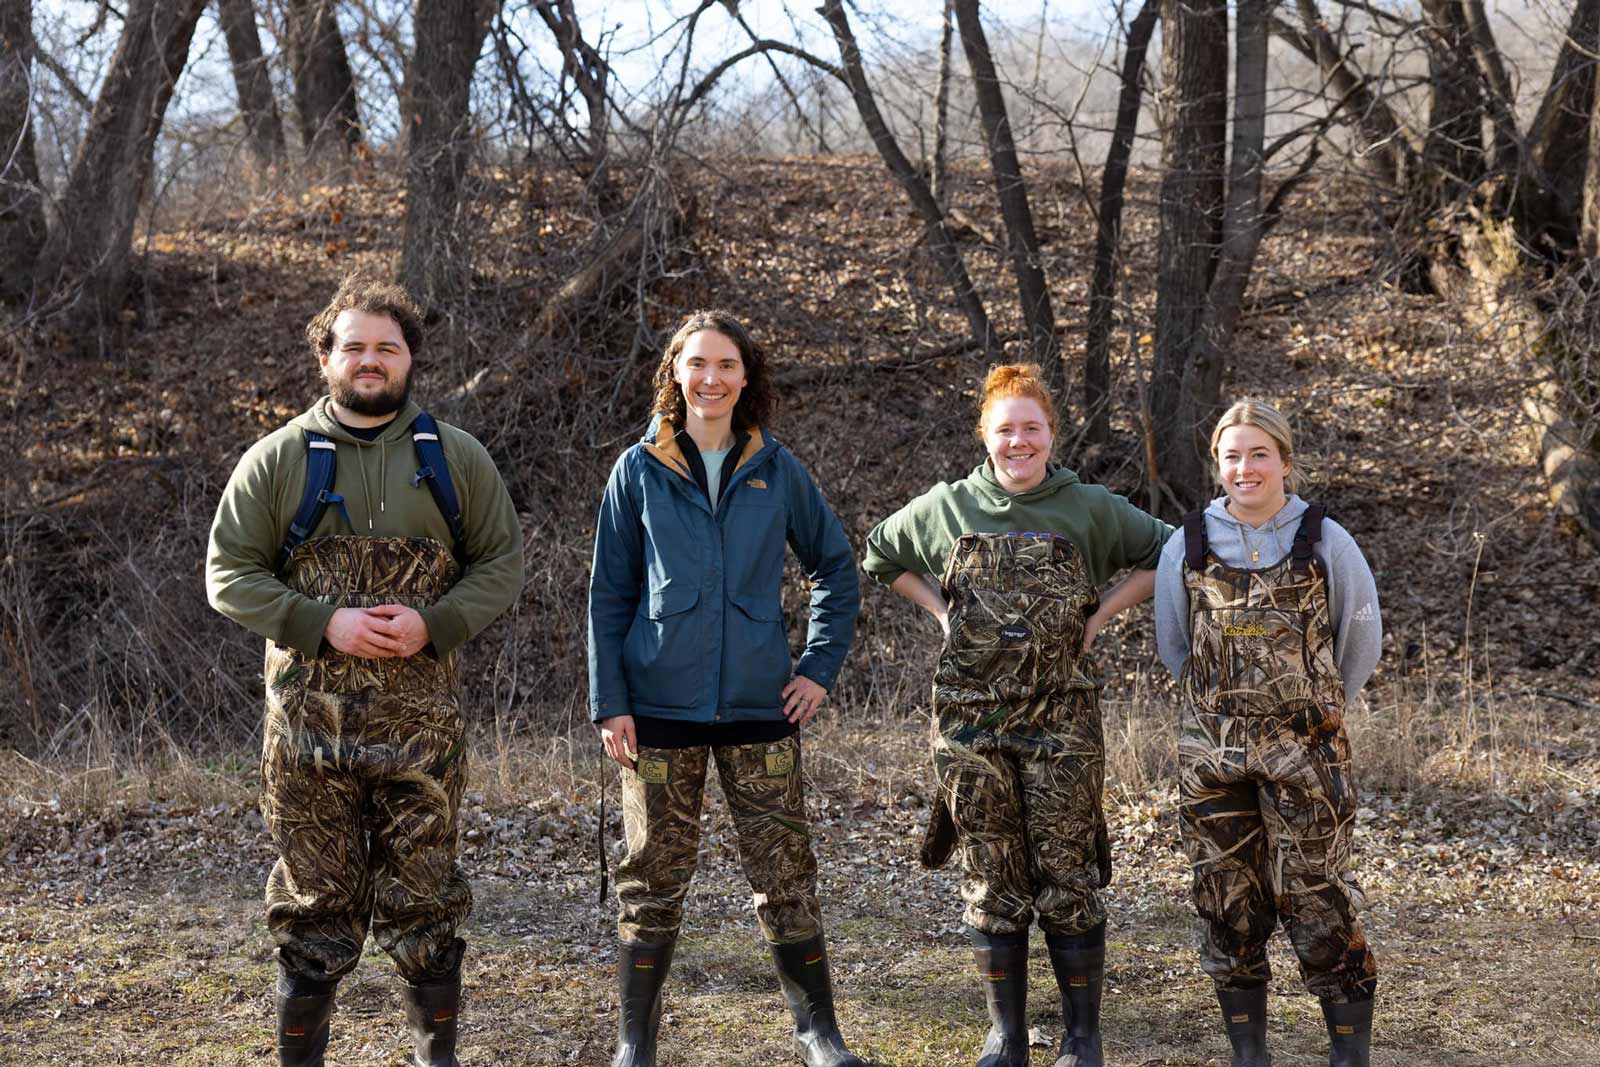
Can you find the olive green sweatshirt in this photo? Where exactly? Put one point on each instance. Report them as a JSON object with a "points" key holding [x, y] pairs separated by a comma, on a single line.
{"points": [[374, 477], [1110, 533]]}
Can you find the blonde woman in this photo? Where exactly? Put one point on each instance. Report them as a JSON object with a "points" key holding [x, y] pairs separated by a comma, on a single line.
{"points": [[1267, 614]]}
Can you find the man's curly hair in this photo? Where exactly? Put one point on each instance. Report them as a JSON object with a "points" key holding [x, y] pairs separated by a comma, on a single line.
{"points": [[359, 292]]}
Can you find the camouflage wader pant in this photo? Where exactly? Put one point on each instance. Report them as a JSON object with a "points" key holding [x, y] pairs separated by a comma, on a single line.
{"points": [[1018, 752], [362, 770], [661, 820], [1267, 802]]}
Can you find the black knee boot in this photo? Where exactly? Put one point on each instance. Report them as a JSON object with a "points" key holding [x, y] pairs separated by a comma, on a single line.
{"points": [[1079, 961], [803, 973], [431, 1009], [1244, 1016], [304, 1008], [1003, 965], [1349, 1032], [641, 972]]}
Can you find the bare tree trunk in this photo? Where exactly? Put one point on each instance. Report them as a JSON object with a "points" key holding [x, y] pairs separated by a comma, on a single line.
{"points": [[1243, 222], [449, 35], [1108, 229], [1391, 156], [1557, 135], [253, 81], [1453, 152], [22, 223], [87, 255], [941, 111], [590, 73], [943, 245], [1589, 230], [1012, 189], [1193, 155], [324, 88]]}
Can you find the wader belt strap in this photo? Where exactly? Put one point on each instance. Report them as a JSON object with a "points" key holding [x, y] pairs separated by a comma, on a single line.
{"points": [[1309, 533], [1194, 540]]}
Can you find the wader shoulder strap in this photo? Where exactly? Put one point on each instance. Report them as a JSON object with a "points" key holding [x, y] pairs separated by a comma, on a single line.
{"points": [[1194, 540], [434, 471], [1309, 533], [321, 464]]}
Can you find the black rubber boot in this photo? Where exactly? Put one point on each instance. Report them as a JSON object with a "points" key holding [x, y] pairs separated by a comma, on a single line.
{"points": [[1079, 961], [1003, 965], [803, 973], [1349, 1032], [641, 972], [304, 1008], [432, 1006], [1244, 1016]]}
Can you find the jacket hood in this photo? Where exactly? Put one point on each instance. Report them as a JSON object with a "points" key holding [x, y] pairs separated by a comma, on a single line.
{"points": [[320, 418], [1056, 478], [1287, 517]]}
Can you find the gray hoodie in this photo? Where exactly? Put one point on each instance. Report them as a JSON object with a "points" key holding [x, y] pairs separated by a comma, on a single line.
{"points": [[1352, 594]]}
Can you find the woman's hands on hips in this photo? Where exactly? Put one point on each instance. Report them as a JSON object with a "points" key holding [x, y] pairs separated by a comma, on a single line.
{"points": [[801, 699], [619, 739]]}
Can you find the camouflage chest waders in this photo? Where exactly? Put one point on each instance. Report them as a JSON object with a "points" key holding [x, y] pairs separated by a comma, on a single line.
{"points": [[362, 769], [661, 821], [1267, 800], [1017, 746]]}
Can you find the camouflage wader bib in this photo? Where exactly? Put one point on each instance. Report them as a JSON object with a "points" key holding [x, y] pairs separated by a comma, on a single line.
{"points": [[362, 769], [1267, 803], [1017, 748], [661, 821]]}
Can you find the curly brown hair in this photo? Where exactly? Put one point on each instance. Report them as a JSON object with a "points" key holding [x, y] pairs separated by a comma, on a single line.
{"points": [[359, 292], [756, 401]]}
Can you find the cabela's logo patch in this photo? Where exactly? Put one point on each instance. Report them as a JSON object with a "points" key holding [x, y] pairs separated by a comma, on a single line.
{"points": [[1250, 629]]}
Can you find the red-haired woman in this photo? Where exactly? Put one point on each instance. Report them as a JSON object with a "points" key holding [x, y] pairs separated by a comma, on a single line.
{"points": [[689, 664], [1010, 560]]}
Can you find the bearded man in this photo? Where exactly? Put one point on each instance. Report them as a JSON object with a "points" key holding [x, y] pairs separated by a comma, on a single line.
{"points": [[366, 543]]}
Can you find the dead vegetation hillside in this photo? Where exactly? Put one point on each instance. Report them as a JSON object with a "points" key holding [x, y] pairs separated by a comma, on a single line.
{"points": [[131, 855]]}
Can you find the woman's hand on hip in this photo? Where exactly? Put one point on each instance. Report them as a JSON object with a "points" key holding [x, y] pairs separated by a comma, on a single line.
{"points": [[619, 740], [801, 699]]}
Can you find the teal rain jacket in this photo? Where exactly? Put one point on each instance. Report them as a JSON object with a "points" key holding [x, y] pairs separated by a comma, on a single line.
{"points": [[685, 613]]}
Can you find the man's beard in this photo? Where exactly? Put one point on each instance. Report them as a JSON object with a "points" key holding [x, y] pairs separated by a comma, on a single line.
{"points": [[391, 399]]}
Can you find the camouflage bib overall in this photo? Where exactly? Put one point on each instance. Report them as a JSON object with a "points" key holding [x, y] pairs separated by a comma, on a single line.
{"points": [[1267, 803], [1017, 748], [363, 767]]}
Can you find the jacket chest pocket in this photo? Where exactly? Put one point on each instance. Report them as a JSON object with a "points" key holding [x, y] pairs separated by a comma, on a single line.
{"points": [[661, 657]]}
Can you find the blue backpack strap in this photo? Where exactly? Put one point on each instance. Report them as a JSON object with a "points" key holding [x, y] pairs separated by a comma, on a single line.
{"points": [[321, 464], [436, 472], [1194, 540]]}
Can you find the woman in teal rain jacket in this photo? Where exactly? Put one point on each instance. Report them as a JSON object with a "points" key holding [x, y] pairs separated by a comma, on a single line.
{"points": [[689, 663]]}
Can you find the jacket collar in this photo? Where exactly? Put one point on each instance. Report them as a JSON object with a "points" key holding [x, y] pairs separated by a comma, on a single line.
{"points": [[665, 448]]}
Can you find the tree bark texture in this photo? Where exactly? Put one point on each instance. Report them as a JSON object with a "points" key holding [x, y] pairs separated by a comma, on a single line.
{"points": [[1022, 242], [1452, 154], [1557, 137], [449, 35], [943, 245], [1108, 229], [86, 259], [22, 220], [941, 111], [324, 88], [253, 81], [1193, 155]]}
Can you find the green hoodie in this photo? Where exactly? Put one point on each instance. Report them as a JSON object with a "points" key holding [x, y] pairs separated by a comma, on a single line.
{"points": [[374, 477], [1111, 533]]}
